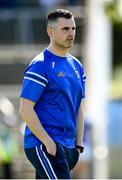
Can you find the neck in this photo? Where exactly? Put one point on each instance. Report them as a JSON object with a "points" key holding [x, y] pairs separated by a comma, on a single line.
{"points": [[57, 51]]}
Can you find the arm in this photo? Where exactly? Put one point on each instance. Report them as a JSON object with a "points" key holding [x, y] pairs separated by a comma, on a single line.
{"points": [[80, 126], [30, 117]]}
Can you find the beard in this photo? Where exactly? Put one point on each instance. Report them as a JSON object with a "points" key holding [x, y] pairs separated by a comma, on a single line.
{"points": [[69, 43], [66, 44]]}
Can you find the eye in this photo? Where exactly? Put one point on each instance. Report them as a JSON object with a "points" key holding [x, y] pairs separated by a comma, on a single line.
{"points": [[66, 28], [74, 28]]}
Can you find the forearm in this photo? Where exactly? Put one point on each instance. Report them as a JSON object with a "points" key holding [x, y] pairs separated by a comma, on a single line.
{"points": [[32, 121], [80, 126]]}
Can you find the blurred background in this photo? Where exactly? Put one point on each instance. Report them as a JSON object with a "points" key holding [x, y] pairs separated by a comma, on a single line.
{"points": [[98, 46]]}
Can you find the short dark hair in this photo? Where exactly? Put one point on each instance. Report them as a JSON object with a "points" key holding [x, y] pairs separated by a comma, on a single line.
{"points": [[58, 13]]}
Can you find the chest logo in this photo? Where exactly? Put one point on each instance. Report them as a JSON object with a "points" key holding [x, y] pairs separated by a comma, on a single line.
{"points": [[77, 74], [61, 74]]}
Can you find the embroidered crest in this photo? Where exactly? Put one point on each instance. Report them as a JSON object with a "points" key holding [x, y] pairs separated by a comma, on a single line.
{"points": [[77, 74]]}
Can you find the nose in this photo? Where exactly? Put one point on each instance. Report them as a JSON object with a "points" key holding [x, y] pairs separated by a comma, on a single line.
{"points": [[71, 33]]}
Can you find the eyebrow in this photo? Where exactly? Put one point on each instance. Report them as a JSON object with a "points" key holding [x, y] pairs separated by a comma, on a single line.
{"points": [[66, 28]]}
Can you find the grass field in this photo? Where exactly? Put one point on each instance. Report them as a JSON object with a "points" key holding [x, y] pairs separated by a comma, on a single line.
{"points": [[116, 84]]}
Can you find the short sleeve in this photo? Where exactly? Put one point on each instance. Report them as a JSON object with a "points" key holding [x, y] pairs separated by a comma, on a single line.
{"points": [[83, 81], [34, 82]]}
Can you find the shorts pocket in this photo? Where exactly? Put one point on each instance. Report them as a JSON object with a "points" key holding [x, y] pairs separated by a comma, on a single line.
{"points": [[57, 150], [75, 157]]}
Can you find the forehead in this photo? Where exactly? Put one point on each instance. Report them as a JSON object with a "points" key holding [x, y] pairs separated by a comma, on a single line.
{"points": [[64, 22]]}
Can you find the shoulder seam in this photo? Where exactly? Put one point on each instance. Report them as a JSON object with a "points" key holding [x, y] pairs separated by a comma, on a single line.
{"points": [[39, 57], [74, 58]]}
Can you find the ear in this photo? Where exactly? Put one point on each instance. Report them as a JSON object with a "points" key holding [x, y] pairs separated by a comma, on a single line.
{"points": [[50, 31]]}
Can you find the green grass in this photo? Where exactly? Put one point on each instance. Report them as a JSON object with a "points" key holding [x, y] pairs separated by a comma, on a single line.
{"points": [[116, 84]]}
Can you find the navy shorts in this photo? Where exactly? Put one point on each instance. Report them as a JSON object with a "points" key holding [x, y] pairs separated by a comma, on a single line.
{"points": [[48, 166]]}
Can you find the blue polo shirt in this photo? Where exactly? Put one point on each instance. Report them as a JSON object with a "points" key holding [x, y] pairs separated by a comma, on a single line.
{"points": [[57, 86]]}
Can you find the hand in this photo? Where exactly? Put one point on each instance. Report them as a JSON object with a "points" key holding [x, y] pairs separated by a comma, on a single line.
{"points": [[51, 147], [78, 151]]}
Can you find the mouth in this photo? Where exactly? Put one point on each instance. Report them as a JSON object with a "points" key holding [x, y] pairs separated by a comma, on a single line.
{"points": [[70, 40]]}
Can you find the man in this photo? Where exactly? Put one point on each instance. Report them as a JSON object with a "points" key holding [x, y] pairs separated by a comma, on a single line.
{"points": [[51, 102]]}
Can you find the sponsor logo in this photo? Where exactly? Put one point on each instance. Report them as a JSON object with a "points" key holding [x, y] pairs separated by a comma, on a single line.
{"points": [[61, 74]]}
